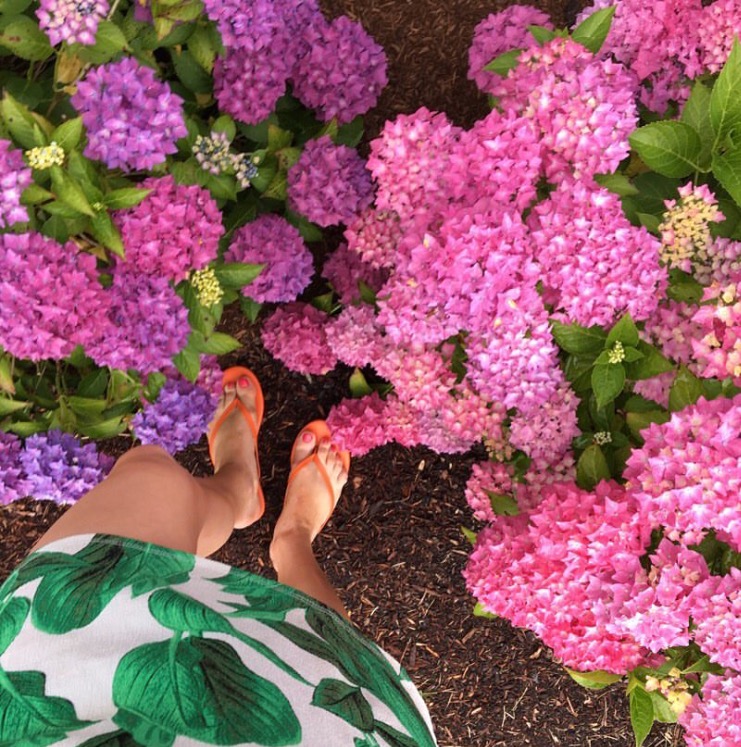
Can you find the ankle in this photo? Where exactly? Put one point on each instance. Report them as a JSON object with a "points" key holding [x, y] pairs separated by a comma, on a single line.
{"points": [[287, 543]]}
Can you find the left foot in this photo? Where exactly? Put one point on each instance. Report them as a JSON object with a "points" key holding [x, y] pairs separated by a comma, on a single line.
{"points": [[234, 453]]}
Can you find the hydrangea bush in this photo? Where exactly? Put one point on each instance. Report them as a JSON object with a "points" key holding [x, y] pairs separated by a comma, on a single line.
{"points": [[146, 153]]}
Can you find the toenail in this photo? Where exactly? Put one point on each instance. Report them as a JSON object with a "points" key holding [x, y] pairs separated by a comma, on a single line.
{"points": [[325, 440], [306, 437], [244, 381]]}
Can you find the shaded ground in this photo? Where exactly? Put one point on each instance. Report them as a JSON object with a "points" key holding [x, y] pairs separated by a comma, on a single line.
{"points": [[394, 547]]}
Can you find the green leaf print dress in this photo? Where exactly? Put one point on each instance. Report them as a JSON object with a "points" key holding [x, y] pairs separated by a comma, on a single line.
{"points": [[111, 641]]}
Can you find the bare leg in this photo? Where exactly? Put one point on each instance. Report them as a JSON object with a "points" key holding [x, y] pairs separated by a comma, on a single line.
{"points": [[308, 504], [148, 496]]}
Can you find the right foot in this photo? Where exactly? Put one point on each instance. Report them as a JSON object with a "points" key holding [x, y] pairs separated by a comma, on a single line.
{"points": [[310, 500]]}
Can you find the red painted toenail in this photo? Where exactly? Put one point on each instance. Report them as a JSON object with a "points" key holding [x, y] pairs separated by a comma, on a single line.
{"points": [[306, 437], [325, 440], [244, 381]]}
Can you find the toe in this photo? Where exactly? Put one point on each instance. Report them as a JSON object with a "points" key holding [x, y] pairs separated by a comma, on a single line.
{"points": [[304, 445]]}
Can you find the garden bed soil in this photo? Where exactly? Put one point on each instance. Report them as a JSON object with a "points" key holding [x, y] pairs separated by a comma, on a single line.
{"points": [[394, 547]]}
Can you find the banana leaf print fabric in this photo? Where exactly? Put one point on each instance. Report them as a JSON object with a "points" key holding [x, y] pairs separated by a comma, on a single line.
{"points": [[116, 642]]}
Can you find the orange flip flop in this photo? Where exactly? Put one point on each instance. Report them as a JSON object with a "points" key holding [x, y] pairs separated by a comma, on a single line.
{"points": [[231, 376], [320, 430]]}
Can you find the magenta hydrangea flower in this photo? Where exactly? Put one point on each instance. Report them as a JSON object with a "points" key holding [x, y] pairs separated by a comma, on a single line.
{"points": [[499, 33], [329, 183], [717, 344], [359, 425], [718, 25], [178, 418], [12, 482], [375, 235], [345, 270], [555, 571], [685, 477], [50, 297], [355, 336], [132, 119], [715, 717], [146, 325], [343, 71], [15, 176], [71, 21], [599, 266], [60, 468], [174, 230], [296, 335], [271, 240]]}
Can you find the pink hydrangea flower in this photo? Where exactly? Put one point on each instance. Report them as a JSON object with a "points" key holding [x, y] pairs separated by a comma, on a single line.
{"points": [[296, 335], [329, 183], [50, 297], [672, 329], [345, 271], [271, 240], [374, 235], [498, 33], [717, 346], [714, 719], [355, 336], [707, 49], [15, 176], [174, 230], [359, 425], [71, 21]]}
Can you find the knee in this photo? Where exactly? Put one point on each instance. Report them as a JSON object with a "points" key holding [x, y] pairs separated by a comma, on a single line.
{"points": [[150, 454]]}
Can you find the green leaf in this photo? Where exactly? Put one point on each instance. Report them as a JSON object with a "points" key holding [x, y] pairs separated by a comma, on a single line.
{"points": [[12, 617], [25, 39], [541, 34], [504, 63], [683, 287], [225, 124], [480, 611], [696, 113], [13, 7], [663, 712], [651, 364], [638, 421], [592, 31], [104, 230], [641, 714], [351, 133], [596, 680], [8, 406], [109, 41], [359, 387], [86, 405], [617, 183], [94, 384], [220, 343], [119, 199], [201, 47], [33, 194], [250, 308], [309, 231], [607, 380], [237, 274], [576, 339], [624, 331], [592, 467], [685, 390], [469, 534], [103, 429], [68, 134], [188, 362], [725, 99], [69, 191], [278, 138], [345, 701], [191, 74], [671, 148], [632, 354], [650, 222], [18, 120], [503, 504], [727, 169], [278, 188]]}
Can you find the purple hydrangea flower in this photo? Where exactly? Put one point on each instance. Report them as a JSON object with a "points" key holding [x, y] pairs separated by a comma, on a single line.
{"points": [[289, 266], [178, 418], [50, 297], [175, 229], [71, 21], [12, 484], [61, 469], [132, 119], [146, 325], [15, 176], [343, 71], [346, 270], [329, 183]]}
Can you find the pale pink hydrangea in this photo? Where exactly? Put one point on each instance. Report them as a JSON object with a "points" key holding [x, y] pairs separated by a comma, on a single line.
{"points": [[359, 425], [599, 264], [717, 347], [375, 235], [687, 475], [345, 271], [354, 336], [583, 106], [549, 569], [71, 21], [402, 422], [15, 176], [715, 607], [714, 720], [657, 388], [173, 230], [296, 335], [499, 33]]}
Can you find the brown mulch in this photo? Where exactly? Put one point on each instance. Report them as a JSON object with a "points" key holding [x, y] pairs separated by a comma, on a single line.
{"points": [[394, 547]]}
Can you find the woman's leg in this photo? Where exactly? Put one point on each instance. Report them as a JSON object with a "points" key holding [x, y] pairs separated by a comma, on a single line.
{"points": [[148, 496], [307, 506]]}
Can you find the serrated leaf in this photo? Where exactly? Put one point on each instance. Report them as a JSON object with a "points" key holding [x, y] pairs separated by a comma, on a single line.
{"points": [[619, 184], [641, 714], [118, 199], [671, 148], [25, 39], [69, 191], [596, 680], [727, 169], [504, 63], [607, 381], [624, 331], [725, 99], [592, 31], [592, 467], [200, 46], [696, 113], [220, 343], [632, 354], [188, 362], [574, 338], [541, 34], [685, 390], [237, 274], [653, 363], [104, 230], [68, 134], [33, 194], [503, 504]]}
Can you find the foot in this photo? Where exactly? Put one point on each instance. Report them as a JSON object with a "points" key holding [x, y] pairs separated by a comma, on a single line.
{"points": [[234, 453], [309, 502]]}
